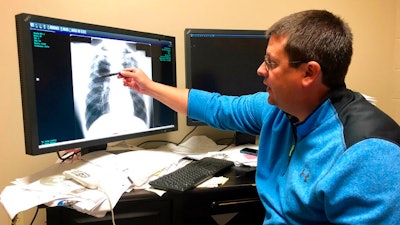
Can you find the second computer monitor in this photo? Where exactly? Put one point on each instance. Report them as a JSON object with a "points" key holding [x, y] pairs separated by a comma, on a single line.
{"points": [[224, 61]]}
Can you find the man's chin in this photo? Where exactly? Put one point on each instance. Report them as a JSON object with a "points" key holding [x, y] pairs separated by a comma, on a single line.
{"points": [[271, 100]]}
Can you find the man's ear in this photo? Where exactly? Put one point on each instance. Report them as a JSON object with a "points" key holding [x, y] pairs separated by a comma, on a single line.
{"points": [[313, 73]]}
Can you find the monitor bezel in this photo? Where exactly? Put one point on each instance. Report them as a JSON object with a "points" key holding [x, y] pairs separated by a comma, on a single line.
{"points": [[28, 98]]}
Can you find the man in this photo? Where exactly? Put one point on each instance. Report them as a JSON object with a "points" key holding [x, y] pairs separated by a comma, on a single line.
{"points": [[326, 155]]}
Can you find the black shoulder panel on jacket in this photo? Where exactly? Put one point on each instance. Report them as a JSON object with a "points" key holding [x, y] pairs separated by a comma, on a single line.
{"points": [[361, 119]]}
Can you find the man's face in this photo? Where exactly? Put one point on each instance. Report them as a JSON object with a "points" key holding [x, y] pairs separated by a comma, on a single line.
{"points": [[283, 82]]}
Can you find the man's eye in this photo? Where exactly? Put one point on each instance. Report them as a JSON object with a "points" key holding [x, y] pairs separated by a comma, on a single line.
{"points": [[271, 63]]}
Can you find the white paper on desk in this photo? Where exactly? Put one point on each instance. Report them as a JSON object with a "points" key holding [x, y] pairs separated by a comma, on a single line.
{"points": [[30, 192], [53, 170], [97, 202], [103, 159], [142, 165], [113, 181], [233, 154], [70, 191], [20, 197], [16, 198], [194, 145]]}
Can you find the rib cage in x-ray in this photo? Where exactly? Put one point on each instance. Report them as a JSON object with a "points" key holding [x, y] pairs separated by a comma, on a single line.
{"points": [[138, 104], [97, 98]]}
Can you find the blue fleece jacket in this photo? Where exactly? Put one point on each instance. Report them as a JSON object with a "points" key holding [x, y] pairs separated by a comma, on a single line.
{"points": [[345, 163]]}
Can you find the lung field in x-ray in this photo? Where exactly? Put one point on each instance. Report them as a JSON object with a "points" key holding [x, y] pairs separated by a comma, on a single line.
{"points": [[105, 103], [97, 99]]}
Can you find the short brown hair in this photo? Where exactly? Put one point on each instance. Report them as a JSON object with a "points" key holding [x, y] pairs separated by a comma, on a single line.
{"points": [[318, 35]]}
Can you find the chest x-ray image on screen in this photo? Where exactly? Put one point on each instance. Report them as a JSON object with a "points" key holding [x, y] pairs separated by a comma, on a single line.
{"points": [[67, 101], [101, 101]]}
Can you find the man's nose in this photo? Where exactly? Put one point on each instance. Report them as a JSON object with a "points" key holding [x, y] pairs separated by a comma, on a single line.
{"points": [[262, 70]]}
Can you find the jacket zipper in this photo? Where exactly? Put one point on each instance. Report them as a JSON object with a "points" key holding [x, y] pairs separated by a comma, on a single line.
{"points": [[293, 147]]}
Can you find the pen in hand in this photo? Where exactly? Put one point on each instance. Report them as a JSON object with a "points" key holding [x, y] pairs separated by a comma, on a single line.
{"points": [[109, 74]]}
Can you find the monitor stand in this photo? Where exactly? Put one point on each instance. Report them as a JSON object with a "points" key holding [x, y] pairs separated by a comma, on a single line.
{"points": [[89, 149]]}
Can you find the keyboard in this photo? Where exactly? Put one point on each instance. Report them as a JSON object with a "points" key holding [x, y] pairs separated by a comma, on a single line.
{"points": [[191, 175]]}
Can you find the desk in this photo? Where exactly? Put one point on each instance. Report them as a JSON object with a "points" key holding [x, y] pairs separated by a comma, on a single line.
{"points": [[236, 202]]}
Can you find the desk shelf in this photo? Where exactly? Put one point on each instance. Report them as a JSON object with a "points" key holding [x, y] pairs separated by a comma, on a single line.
{"points": [[136, 207]]}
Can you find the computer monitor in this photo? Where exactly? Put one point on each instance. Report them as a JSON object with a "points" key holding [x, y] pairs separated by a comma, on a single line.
{"points": [[224, 61], [67, 101]]}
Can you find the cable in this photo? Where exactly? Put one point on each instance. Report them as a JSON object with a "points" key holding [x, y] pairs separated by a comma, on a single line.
{"points": [[13, 222], [110, 204], [69, 154], [187, 135], [34, 217], [151, 141], [171, 142], [227, 146]]}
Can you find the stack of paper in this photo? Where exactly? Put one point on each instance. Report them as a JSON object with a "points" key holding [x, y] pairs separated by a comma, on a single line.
{"points": [[50, 187], [116, 174]]}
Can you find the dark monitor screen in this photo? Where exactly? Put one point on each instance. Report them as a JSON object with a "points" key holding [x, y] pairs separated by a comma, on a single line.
{"points": [[224, 61], [65, 100]]}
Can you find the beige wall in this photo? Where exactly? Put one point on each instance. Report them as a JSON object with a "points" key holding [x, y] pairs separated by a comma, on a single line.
{"points": [[375, 69], [396, 66]]}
